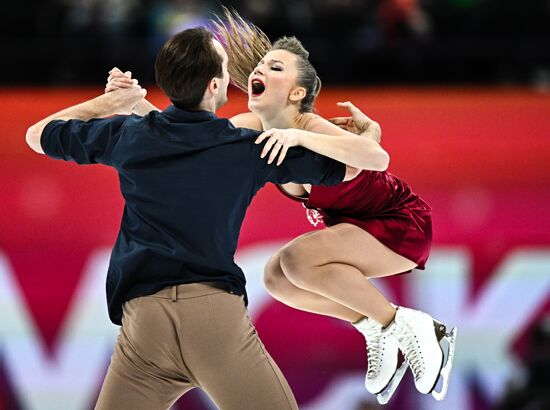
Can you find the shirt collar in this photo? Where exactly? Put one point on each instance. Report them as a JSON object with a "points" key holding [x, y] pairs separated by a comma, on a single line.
{"points": [[182, 115]]}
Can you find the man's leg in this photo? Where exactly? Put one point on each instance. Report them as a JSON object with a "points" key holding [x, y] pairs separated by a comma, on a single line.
{"points": [[227, 358], [146, 370]]}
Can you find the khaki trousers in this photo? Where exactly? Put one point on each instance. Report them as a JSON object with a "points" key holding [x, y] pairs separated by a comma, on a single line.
{"points": [[189, 336]]}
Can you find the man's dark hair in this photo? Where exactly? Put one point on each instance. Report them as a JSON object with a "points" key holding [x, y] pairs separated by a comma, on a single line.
{"points": [[185, 65]]}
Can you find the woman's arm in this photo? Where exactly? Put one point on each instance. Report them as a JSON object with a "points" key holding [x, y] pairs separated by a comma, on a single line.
{"points": [[329, 140], [144, 107], [252, 121], [354, 150]]}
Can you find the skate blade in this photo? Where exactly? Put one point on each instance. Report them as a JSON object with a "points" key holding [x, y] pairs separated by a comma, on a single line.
{"points": [[448, 347], [385, 395]]}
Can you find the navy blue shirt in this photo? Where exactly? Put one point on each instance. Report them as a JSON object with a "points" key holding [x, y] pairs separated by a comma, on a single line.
{"points": [[187, 179]]}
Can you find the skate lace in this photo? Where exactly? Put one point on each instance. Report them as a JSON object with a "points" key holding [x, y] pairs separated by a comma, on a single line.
{"points": [[411, 351], [374, 352]]}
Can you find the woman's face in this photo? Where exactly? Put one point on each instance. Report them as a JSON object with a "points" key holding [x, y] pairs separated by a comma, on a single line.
{"points": [[271, 82]]}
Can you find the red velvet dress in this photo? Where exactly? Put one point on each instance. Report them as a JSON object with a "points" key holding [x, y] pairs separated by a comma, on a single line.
{"points": [[381, 204]]}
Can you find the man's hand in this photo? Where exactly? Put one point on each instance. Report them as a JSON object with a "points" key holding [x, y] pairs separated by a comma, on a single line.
{"points": [[358, 123], [278, 142], [123, 100], [117, 80]]}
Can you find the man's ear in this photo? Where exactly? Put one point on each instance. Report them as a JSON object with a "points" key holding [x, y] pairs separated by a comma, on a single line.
{"points": [[214, 85], [297, 93]]}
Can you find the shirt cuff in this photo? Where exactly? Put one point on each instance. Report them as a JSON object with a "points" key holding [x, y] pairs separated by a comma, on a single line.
{"points": [[47, 139]]}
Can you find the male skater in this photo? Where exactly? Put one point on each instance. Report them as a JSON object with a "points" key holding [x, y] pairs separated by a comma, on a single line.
{"points": [[187, 178]]}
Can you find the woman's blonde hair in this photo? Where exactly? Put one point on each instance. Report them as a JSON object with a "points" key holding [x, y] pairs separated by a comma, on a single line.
{"points": [[246, 45]]}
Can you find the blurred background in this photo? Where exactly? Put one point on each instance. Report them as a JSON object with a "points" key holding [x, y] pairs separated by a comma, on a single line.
{"points": [[365, 41], [462, 91]]}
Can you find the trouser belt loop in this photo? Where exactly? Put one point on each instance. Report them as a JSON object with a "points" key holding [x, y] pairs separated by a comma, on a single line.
{"points": [[174, 293]]}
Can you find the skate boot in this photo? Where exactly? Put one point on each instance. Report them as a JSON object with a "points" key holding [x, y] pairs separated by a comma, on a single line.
{"points": [[427, 347], [383, 375]]}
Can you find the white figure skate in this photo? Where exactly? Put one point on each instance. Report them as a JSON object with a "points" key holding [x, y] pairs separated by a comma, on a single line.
{"points": [[428, 349], [383, 374]]}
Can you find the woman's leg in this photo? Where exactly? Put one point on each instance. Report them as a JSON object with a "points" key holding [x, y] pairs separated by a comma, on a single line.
{"points": [[330, 269], [278, 285]]}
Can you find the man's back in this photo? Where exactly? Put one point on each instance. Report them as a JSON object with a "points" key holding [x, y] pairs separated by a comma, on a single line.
{"points": [[187, 179]]}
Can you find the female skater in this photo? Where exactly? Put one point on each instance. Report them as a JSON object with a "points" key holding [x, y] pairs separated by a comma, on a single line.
{"points": [[376, 226]]}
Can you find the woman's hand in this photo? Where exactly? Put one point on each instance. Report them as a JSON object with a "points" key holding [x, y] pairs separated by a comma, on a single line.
{"points": [[117, 80], [358, 123], [278, 142]]}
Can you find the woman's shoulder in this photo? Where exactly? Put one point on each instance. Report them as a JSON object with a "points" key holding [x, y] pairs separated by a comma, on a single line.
{"points": [[308, 121], [247, 120], [315, 123]]}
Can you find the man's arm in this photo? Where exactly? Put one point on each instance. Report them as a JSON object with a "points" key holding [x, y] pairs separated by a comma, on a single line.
{"points": [[301, 166], [119, 102]]}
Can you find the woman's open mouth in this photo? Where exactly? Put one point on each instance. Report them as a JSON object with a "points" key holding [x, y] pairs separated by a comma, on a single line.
{"points": [[257, 87]]}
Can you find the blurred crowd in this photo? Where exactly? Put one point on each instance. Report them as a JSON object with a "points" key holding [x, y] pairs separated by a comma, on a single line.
{"points": [[351, 41]]}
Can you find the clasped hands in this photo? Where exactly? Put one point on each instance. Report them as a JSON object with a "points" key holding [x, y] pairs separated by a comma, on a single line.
{"points": [[123, 92]]}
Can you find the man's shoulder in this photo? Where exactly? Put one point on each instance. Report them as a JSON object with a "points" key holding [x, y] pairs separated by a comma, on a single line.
{"points": [[240, 133]]}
